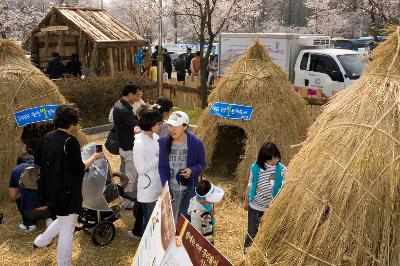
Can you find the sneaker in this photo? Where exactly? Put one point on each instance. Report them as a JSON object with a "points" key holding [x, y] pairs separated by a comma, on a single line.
{"points": [[131, 235], [27, 229], [49, 221]]}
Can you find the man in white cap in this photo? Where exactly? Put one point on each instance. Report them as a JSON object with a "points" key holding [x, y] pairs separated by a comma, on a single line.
{"points": [[201, 208]]}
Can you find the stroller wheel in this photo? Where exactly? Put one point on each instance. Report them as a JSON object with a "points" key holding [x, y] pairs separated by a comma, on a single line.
{"points": [[103, 233]]}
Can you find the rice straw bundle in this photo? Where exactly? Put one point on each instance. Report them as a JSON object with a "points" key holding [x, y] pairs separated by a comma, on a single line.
{"points": [[22, 86], [279, 114], [340, 204]]}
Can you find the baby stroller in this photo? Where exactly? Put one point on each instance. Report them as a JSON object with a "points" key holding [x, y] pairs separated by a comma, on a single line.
{"points": [[101, 199]]}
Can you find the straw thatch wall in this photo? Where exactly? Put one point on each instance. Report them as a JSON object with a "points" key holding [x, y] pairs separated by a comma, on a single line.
{"points": [[22, 86], [340, 205], [279, 115]]}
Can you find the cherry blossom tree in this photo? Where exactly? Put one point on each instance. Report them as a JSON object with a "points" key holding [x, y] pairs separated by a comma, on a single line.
{"points": [[140, 15], [206, 19], [352, 17]]}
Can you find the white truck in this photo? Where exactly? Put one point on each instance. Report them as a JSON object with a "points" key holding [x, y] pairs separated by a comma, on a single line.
{"points": [[307, 58]]}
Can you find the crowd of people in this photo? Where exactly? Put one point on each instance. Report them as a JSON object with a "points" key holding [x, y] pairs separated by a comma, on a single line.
{"points": [[156, 148], [188, 63]]}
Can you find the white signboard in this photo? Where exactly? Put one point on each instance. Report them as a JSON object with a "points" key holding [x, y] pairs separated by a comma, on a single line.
{"points": [[158, 234], [232, 48]]}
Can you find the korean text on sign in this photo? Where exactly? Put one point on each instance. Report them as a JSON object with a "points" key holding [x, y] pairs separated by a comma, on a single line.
{"points": [[231, 111], [36, 114]]}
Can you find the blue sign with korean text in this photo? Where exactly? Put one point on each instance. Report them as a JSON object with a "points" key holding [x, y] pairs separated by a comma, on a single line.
{"points": [[232, 111], [35, 114]]}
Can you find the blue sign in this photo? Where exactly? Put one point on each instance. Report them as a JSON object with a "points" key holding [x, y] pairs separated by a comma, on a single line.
{"points": [[35, 114], [232, 111]]}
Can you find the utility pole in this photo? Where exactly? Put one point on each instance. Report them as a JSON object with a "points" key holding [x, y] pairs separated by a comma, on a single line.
{"points": [[101, 1], [175, 22], [160, 57]]}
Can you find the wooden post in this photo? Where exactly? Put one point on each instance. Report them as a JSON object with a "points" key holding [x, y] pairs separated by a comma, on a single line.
{"points": [[111, 60], [81, 44], [46, 44], [132, 63], [120, 58], [125, 60], [53, 19], [60, 44]]}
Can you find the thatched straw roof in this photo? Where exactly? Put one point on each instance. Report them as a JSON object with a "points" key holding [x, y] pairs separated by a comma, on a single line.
{"points": [[97, 24], [22, 86], [341, 204], [279, 114]]}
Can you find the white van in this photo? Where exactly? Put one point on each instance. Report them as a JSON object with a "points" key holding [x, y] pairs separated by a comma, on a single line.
{"points": [[309, 62], [328, 69]]}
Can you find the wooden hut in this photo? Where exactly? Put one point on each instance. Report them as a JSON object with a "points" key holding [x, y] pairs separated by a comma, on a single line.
{"points": [[104, 45]]}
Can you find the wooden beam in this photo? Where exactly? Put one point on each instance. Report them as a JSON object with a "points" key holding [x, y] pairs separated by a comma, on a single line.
{"points": [[121, 43], [111, 60], [54, 28], [54, 44]]}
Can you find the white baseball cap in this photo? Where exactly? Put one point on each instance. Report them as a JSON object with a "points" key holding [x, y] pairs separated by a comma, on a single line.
{"points": [[178, 118], [214, 195]]}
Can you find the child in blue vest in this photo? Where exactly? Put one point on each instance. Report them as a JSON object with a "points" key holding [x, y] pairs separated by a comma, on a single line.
{"points": [[201, 208], [267, 177]]}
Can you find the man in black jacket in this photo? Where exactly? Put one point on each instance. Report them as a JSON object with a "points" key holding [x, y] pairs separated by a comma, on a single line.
{"points": [[189, 57], [55, 69], [60, 184], [74, 67], [125, 121], [167, 63]]}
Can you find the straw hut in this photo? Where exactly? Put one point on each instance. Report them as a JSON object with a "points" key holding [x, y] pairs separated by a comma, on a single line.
{"points": [[22, 86], [279, 115], [103, 43], [341, 204]]}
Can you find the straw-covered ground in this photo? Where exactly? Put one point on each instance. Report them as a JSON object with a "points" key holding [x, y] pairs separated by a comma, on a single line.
{"points": [[16, 247]]}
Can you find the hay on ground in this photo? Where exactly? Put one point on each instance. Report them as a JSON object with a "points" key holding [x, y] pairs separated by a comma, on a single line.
{"points": [[22, 86], [341, 204], [279, 114]]}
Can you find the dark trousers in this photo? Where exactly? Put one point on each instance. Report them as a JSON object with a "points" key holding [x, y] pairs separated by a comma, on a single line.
{"points": [[187, 195], [254, 218], [147, 208], [138, 214], [25, 220], [169, 72], [34, 215], [181, 75]]}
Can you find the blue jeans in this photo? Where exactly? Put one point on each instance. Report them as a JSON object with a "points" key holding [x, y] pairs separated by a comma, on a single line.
{"points": [[147, 208], [254, 218]]}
